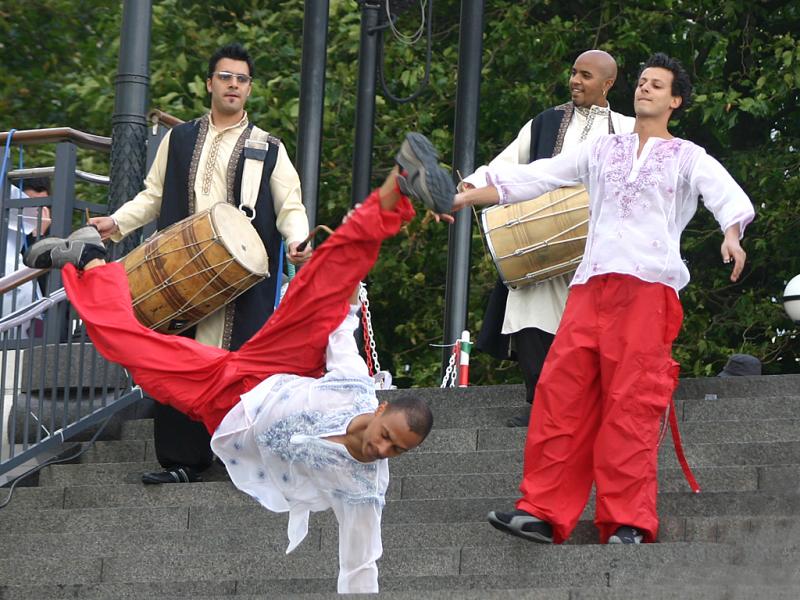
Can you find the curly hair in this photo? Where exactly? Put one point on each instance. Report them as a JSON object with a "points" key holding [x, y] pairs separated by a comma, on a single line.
{"points": [[681, 83]]}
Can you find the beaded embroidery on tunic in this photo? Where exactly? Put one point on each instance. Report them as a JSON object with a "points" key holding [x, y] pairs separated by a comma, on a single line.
{"points": [[298, 438], [629, 193]]}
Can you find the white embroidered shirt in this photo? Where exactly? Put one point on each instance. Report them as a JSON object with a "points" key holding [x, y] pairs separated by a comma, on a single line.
{"points": [[274, 446], [639, 205]]}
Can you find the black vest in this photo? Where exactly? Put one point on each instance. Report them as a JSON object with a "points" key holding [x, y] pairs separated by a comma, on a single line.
{"points": [[250, 310], [547, 135]]}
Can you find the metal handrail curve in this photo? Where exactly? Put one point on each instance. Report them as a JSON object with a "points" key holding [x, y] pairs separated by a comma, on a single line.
{"points": [[59, 134]]}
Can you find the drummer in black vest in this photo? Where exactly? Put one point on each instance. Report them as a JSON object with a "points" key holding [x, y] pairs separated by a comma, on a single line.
{"points": [[521, 323], [198, 164]]}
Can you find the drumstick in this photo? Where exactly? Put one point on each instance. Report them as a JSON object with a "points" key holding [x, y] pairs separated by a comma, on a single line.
{"points": [[302, 245]]}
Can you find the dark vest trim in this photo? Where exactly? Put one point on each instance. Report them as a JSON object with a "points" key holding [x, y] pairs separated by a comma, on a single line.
{"points": [[250, 310]]}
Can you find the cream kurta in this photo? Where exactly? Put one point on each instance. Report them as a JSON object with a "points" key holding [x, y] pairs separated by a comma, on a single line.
{"points": [[210, 187], [541, 305]]}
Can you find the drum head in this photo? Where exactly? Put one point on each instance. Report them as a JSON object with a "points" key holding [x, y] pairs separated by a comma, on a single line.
{"points": [[240, 238]]}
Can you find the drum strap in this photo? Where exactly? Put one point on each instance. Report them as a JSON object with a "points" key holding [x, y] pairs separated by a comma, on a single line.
{"points": [[256, 148]]}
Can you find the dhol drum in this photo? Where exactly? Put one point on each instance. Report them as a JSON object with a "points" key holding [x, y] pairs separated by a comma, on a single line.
{"points": [[534, 240], [194, 267]]}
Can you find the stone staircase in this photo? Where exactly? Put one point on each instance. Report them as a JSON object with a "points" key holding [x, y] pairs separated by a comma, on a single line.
{"points": [[91, 530]]}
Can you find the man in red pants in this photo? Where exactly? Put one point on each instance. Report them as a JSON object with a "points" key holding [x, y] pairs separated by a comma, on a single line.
{"points": [[609, 375], [293, 412]]}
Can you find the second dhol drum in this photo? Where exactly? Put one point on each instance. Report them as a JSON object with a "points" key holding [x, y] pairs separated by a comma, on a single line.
{"points": [[194, 267], [537, 239]]}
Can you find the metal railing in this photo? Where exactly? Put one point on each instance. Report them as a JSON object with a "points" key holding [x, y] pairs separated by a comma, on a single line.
{"points": [[54, 384]]}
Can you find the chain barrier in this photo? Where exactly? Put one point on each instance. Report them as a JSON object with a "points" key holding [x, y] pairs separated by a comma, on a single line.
{"points": [[449, 379], [369, 337]]}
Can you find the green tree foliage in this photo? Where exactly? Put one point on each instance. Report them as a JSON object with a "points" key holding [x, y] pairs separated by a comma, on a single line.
{"points": [[60, 58]]}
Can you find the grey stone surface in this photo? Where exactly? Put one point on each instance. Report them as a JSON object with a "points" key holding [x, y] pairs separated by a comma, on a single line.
{"points": [[146, 542], [476, 485], [425, 562], [783, 479], [739, 387], [743, 529], [94, 519], [742, 409], [32, 498], [188, 494], [137, 429], [95, 473], [75, 569], [116, 452], [170, 588]]}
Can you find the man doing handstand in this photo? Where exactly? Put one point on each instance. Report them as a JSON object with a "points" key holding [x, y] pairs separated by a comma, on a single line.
{"points": [[295, 438]]}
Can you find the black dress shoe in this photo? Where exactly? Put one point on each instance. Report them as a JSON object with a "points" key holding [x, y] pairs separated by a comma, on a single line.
{"points": [[520, 420], [174, 475]]}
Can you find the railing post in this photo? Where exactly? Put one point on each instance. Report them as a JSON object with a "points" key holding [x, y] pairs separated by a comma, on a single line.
{"points": [[63, 198], [365, 98], [470, 47], [129, 122], [312, 99]]}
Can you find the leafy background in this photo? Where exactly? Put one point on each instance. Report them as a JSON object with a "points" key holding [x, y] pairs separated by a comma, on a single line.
{"points": [[59, 63]]}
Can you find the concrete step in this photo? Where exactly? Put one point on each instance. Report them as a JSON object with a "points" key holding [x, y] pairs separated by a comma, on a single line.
{"points": [[459, 590], [169, 510], [510, 461], [227, 590], [464, 439], [452, 451], [755, 388], [407, 488], [740, 408], [560, 562], [468, 415], [271, 536], [491, 406], [765, 430], [502, 482]]}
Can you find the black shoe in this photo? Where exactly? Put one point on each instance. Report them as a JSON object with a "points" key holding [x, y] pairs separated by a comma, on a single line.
{"points": [[522, 524], [424, 179], [81, 246], [520, 420], [626, 535], [174, 475]]}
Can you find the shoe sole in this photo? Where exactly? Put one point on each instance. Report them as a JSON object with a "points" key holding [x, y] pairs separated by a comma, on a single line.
{"points": [[40, 254], [436, 185], [506, 528], [617, 540]]}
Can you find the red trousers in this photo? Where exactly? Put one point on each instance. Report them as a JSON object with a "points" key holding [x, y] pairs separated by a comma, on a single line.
{"points": [[205, 382], [606, 383]]}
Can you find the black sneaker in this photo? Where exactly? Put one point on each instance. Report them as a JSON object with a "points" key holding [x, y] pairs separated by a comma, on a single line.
{"points": [[626, 535], [81, 246], [423, 178], [522, 524], [174, 475]]}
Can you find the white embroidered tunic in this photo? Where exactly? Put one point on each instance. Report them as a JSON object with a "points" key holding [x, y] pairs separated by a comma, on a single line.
{"points": [[638, 206], [273, 445], [541, 305]]}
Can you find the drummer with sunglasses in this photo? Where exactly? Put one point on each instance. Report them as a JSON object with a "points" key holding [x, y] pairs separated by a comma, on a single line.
{"points": [[198, 164]]}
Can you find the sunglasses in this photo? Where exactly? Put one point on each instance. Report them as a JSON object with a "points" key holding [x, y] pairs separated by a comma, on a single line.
{"points": [[225, 77]]}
